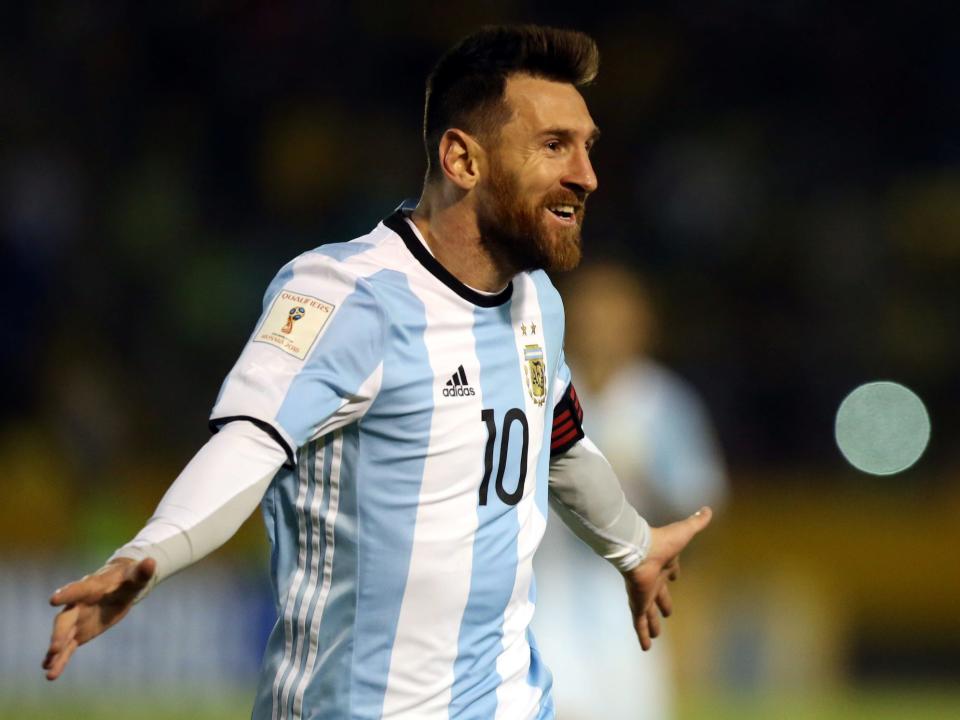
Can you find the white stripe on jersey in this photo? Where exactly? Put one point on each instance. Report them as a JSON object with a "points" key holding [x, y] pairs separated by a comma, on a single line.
{"points": [[294, 589], [309, 595], [332, 511], [513, 664], [421, 665]]}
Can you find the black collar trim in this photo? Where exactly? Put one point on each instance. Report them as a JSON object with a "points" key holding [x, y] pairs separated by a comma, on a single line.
{"points": [[398, 223]]}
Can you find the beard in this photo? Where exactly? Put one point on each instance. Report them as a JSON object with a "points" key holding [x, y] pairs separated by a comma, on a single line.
{"points": [[516, 231]]}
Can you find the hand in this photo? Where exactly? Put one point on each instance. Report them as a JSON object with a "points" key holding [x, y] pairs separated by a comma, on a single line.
{"points": [[91, 605], [647, 583]]}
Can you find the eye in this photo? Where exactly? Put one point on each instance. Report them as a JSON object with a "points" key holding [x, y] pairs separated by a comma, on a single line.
{"points": [[553, 145]]}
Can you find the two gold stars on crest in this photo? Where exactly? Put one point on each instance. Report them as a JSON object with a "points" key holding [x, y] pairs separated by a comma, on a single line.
{"points": [[524, 326]]}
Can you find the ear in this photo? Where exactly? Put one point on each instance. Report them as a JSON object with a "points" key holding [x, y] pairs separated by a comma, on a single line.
{"points": [[461, 158]]}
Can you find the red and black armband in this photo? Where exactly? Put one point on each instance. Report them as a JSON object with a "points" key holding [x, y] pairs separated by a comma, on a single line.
{"points": [[567, 422]]}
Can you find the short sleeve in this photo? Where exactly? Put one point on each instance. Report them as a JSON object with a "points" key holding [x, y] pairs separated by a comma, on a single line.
{"points": [[567, 413], [315, 359]]}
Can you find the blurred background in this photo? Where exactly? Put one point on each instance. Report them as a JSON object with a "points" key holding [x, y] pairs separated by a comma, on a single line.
{"points": [[782, 180]]}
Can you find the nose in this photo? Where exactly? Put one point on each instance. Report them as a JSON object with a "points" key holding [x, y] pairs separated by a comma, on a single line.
{"points": [[580, 175]]}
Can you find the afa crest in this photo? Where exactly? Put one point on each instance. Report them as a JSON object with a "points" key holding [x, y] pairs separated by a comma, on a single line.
{"points": [[535, 371]]}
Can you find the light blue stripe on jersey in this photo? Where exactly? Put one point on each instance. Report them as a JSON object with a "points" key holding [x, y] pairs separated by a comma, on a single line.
{"points": [[336, 251], [394, 440], [539, 676], [552, 323], [551, 312], [494, 568], [345, 355], [344, 250]]}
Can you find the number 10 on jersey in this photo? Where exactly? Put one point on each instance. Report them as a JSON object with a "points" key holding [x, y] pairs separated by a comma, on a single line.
{"points": [[512, 415]]}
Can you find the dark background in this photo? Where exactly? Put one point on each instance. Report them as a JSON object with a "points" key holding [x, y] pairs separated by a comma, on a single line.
{"points": [[785, 175]]}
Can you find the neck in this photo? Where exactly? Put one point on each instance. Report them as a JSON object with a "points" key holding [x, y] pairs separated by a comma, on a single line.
{"points": [[449, 226]]}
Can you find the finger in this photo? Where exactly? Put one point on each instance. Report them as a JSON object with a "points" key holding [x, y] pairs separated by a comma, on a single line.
{"points": [[665, 602], [672, 569], [653, 622], [54, 651], [60, 660], [88, 590], [643, 632], [64, 625]]}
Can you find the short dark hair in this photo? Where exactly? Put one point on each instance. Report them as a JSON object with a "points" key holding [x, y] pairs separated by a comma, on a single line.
{"points": [[466, 87]]}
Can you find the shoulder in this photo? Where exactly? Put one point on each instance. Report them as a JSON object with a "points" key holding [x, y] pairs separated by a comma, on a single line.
{"points": [[338, 266], [659, 383], [547, 293], [335, 278], [351, 258], [544, 284]]}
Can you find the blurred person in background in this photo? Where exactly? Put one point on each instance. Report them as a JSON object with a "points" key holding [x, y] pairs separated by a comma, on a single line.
{"points": [[656, 433]]}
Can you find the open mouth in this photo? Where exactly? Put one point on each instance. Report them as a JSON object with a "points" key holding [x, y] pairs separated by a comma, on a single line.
{"points": [[567, 214]]}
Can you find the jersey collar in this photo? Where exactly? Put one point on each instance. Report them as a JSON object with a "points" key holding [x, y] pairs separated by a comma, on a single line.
{"points": [[397, 222]]}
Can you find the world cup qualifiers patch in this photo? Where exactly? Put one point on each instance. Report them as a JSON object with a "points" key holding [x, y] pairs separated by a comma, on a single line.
{"points": [[294, 323]]}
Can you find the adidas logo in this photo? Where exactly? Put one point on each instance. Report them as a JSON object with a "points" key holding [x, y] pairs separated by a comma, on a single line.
{"points": [[457, 385]]}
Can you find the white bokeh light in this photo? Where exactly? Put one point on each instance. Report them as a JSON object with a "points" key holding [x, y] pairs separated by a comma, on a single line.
{"points": [[882, 428]]}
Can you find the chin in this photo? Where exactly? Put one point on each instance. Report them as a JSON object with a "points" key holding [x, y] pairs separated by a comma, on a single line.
{"points": [[564, 262], [563, 254]]}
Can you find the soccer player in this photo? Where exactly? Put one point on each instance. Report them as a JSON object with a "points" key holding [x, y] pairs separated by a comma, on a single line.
{"points": [[404, 413], [655, 432]]}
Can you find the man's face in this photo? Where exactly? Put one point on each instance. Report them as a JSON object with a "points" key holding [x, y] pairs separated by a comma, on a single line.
{"points": [[532, 199]]}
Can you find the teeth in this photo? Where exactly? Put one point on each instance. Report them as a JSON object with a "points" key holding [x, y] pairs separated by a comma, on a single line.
{"points": [[568, 209]]}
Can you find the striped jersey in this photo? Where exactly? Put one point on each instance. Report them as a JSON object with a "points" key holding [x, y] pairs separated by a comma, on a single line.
{"points": [[418, 416]]}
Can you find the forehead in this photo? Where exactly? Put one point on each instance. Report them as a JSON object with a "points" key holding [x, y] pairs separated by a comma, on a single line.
{"points": [[539, 104]]}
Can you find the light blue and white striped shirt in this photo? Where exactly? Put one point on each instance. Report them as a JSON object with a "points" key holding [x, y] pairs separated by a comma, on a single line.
{"points": [[417, 416]]}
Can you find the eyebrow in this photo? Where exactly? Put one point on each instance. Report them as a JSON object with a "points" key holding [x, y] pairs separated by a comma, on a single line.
{"points": [[569, 135]]}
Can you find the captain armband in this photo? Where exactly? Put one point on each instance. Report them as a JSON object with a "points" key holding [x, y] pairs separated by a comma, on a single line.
{"points": [[567, 423]]}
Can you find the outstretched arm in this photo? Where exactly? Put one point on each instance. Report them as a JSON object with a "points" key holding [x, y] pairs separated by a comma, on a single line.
{"points": [[219, 489], [585, 493], [647, 582]]}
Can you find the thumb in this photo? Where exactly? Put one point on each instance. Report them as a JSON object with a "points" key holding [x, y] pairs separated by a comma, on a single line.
{"points": [[676, 535], [699, 520]]}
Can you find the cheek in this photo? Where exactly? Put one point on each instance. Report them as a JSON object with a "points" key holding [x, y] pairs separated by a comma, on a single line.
{"points": [[538, 179]]}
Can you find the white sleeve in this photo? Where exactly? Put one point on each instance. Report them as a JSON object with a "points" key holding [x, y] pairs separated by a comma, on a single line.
{"points": [[209, 501], [585, 493]]}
